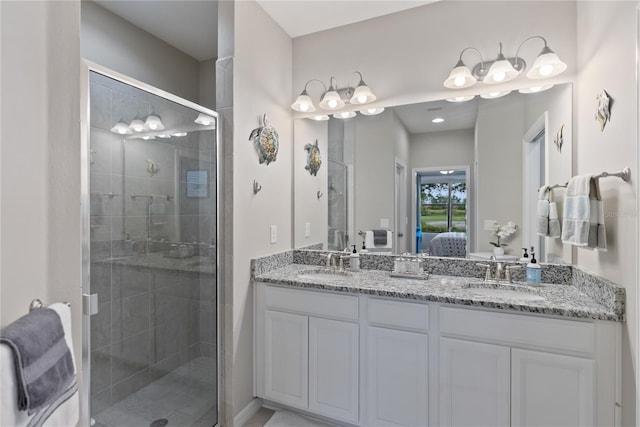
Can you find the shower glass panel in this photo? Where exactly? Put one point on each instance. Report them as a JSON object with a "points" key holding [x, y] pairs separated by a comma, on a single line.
{"points": [[153, 228]]}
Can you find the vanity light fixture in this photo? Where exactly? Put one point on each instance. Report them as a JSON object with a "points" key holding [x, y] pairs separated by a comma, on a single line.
{"points": [[153, 122], [345, 115], [334, 98], [372, 111], [535, 89], [437, 120], [137, 125], [503, 69], [121, 128], [204, 120], [495, 94], [461, 98]]}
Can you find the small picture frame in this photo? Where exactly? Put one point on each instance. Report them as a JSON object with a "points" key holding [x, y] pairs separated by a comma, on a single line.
{"points": [[198, 184]]}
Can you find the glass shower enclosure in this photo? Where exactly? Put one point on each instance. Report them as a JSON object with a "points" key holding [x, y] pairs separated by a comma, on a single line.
{"points": [[150, 257]]}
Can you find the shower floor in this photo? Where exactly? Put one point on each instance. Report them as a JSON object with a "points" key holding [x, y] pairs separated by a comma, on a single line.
{"points": [[186, 397]]}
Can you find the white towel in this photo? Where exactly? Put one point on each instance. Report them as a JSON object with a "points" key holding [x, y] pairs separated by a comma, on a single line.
{"points": [[66, 414], [583, 223], [543, 211], [554, 221]]}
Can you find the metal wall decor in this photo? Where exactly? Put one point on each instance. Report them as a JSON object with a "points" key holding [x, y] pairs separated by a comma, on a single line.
{"points": [[603, 109], [313, 158], [266, 141], [559, 139]]}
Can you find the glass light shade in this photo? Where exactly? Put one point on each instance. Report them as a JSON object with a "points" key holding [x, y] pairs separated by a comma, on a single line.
{"points": [[495, 94], [535, 89], [303, 103], [137, 125], [547, 64], [320, 117], [362, 95], [460, 77], [121, 129], [179, 134], [500, 71], [371, 111], [331, 101], [345, 115], [148, 137], [204, 120], [461, 98], [154, 123]]}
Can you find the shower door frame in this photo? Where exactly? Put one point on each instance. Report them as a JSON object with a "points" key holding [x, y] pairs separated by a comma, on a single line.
{"points": [[85, 168]]}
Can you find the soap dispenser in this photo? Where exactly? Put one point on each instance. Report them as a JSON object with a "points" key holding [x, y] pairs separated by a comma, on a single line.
{"points": [[525, 256], [534, 271], [354, 260], [364, 248]]}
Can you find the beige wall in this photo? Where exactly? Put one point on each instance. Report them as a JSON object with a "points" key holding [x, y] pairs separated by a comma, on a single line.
{"points": [[261, 84], [607, 60]]}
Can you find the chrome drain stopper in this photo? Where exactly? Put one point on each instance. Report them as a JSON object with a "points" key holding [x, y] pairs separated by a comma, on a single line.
{"points": [[162, 422]]}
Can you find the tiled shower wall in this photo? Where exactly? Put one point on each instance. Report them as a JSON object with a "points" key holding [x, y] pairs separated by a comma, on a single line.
{"points": [[151, 319]]}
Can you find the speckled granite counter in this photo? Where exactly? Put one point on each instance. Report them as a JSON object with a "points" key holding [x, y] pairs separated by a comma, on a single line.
{"points": [[556, 299]]}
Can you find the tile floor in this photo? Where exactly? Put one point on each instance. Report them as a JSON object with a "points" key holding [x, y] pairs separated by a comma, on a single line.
{"points": [[186, 397]]}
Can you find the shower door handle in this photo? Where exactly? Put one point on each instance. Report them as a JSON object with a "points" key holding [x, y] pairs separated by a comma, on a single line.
{"points": [[90, 304]]}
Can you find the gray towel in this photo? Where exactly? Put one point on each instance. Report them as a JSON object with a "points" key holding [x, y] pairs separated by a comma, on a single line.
{"points": [[43, 363], [380, 237]]}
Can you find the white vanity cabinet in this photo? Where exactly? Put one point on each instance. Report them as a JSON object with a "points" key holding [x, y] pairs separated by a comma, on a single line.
{"points": [[376, 361]]}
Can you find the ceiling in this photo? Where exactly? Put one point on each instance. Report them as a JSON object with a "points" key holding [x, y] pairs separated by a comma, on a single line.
{"points": [[302, 17], [457, 115], [189, 26]]}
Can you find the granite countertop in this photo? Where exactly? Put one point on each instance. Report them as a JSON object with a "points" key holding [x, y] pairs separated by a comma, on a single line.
{"points": [[158, 260], [550, 299]]}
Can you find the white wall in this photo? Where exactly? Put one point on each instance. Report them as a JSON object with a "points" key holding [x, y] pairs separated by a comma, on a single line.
{"points": [[607, 60], [261, 84], [40, 195], [114, 43], [447, 148], [308, 207]]}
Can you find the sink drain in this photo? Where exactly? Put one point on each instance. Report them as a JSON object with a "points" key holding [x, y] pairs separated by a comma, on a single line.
{"points": [[162, 422]]}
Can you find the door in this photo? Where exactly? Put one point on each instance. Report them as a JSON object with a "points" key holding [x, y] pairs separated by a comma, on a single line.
{"points": [[551, 390], [286, 358], [333, 368], [397, 392], [474, 383]]}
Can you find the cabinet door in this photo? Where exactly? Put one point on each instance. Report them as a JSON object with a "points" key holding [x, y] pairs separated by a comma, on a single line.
{"points": [[397, 378], [286, 358], [333, 369], [474, 384], [551, 390]]}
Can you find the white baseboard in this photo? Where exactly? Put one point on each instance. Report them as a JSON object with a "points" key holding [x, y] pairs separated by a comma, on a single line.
{"points": [[247, 412]]}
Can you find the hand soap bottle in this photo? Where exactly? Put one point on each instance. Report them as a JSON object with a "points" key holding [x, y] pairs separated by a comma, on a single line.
{"points": [[525, 256], [354, 260], [534, 271]]}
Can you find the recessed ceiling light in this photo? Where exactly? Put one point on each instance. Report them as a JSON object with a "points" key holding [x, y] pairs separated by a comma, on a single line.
{"points": [[179, 134], [437, 120]]}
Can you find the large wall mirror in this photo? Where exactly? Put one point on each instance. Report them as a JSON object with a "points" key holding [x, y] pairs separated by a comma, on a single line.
{"points": [[436, 171]]}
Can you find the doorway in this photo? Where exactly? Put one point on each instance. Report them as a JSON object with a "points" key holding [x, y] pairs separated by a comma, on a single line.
{"points": [[150, 256], [401, 208]]}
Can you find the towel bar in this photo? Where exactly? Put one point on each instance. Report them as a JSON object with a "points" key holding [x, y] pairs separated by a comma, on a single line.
{"points": [[36, 303], [625, 174]]}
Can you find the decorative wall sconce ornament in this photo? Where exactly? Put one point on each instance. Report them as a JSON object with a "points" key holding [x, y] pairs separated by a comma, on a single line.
{"points": [[603, 109], [313, 158], [152, 168], [334, 98], [256, 187], [503, 69], [266, 140], [559, 139], [319, 194]]}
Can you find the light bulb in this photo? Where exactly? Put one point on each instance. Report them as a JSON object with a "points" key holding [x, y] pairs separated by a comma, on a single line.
{"points": [[459, 81], [362, 99], [332, 103], [137, 125], [545, 70], [304, 107], [499, 76], [437, 120]]}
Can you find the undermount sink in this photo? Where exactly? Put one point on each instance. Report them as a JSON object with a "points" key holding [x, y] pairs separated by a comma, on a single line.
{"points": [[505, 291], [325, 274]]}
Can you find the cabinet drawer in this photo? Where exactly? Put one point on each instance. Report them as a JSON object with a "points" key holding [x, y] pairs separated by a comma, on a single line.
{"points": [[312, 303], [405, 315], [561, 335]]}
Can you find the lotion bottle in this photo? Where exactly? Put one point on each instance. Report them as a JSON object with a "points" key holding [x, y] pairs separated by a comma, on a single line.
{"points": [[534, 271], [354, 260]]}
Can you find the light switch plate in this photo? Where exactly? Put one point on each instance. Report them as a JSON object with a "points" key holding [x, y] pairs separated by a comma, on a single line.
{"points": [[274, 233], [307, 229], [384, 223], [489, 224]]}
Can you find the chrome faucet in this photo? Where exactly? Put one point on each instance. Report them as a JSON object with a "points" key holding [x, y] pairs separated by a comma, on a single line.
{"points": [[502, 275]]}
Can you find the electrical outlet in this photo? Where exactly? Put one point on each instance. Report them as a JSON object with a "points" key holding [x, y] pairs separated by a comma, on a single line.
{"points": [[274, 233], [307, 229], [384, 223], [489, 224]]}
